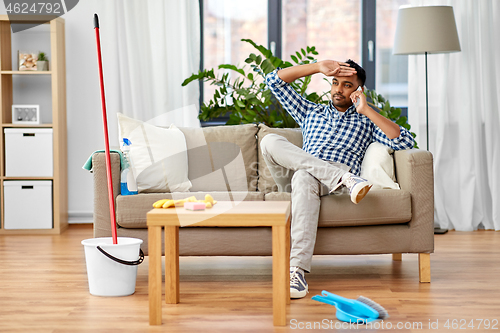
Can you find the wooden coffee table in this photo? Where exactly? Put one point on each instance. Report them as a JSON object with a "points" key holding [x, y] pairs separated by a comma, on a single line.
{"points": [[275, 214]]}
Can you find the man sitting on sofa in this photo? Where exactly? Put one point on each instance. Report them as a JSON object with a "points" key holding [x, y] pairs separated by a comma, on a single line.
{"points": [[335, 138]]}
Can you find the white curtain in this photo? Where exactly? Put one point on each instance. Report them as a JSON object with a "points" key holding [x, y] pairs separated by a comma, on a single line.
{"points": [[149, 48], [464, 117]]}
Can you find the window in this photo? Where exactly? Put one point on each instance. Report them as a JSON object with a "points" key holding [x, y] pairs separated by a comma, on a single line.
{"points": [[338, 29], [225, 23], [392, 71], [332, 26]]}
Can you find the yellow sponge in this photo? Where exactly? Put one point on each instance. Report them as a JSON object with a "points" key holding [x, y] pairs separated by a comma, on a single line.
{"points": [[167, 203]]}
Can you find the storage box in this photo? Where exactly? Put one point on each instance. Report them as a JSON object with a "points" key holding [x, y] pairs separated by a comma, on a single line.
{"points": [[28, 152], [27, 204]]}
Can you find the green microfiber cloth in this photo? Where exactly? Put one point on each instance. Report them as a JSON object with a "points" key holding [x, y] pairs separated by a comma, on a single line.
{"points": [[123, 161]]}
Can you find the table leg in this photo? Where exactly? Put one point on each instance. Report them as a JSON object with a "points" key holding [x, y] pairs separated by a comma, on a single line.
{"points": [[171, 265], [154, 235], [280, 275]]}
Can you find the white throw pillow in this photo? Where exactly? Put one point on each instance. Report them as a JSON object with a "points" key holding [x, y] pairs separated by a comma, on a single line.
{"points": [[378, 166], [158, 156]]}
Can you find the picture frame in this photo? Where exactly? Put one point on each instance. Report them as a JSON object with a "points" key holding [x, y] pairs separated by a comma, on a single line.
{"points": [[27, 61], [25, 114]]}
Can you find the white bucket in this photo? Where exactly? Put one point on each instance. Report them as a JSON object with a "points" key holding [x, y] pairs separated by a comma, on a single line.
{"points": [[108, 277]]}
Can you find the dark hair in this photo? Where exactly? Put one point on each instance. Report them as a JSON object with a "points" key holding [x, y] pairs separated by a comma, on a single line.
{"points": [[360, 71]]}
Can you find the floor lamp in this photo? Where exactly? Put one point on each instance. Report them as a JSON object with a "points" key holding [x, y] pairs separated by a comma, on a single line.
{"points": [[424, 30]]}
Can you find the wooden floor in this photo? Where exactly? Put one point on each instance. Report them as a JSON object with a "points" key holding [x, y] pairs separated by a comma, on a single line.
{"points": [[43, 288]]}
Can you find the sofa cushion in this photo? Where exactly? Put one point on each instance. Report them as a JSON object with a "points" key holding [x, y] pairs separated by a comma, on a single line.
{"points": [[378, 166], [131, 210], [222, 158], [377, 208], [266, 182], [158, 157]]}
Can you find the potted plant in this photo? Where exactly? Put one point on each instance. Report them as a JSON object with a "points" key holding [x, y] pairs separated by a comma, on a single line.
{"points": [[42, 63], [247, 100]]}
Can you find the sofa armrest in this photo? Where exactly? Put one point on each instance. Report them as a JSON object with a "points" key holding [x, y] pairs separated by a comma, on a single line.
{"points": [[102, 220], [414, 173]]}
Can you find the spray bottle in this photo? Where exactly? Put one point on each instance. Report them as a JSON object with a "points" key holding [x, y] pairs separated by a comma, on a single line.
{"points": [[128, 185]]}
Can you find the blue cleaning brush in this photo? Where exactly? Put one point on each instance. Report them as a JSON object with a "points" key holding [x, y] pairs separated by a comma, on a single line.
{"points": [[362, 310]]}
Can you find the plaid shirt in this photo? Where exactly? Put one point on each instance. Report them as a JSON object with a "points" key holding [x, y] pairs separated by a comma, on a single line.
{"points": [[331, 135]]}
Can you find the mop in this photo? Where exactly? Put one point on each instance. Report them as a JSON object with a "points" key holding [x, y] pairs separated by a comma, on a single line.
{"points": [[111, 197]]}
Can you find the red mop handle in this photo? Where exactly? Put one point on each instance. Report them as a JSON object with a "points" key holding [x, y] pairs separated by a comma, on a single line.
{"points": [[111, 197]]}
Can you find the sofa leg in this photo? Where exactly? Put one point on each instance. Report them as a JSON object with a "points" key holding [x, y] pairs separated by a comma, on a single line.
{"points": [[424, 267], [397, 256]]}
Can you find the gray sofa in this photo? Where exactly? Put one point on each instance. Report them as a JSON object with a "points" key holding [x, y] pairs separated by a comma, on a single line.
{"points": [[386, 221]]}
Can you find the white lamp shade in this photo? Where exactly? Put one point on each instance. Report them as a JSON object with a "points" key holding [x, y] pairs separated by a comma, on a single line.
{"points": [[430, 29]]}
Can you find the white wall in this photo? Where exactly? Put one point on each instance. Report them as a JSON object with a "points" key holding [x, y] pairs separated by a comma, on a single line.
{"points": [[85, 129]]}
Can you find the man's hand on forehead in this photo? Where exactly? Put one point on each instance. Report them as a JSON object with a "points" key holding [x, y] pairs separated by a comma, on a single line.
{"points": [[345, 69], [336, 68]]}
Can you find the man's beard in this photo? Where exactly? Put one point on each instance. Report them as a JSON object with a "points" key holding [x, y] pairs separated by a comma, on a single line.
{"points": [[342, 103]]}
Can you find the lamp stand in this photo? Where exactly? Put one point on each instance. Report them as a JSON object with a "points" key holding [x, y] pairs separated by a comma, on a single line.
{"points": [[426, 104], [437, 231]]}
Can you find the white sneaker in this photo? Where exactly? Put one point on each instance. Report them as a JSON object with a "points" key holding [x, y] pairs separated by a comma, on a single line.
{"points": [[298, 284], [358, 187]]}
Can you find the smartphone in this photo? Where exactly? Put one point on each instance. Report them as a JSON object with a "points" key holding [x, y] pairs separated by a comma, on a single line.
{"points": [[357, 99]]}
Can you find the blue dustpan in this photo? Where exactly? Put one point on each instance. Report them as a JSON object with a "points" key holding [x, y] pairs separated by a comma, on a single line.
{"points": [[348, 310]]}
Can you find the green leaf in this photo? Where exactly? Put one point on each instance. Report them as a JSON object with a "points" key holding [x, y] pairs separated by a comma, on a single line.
{"points": [[294, 58], [298, 55], [395, 113], [192, 78], [312, 97], [252, 56], [277, 62], [249, 41], [240, 103], [250, 76], [248, 118], [237, 107], [267, 53], [401, 121], [248, 60], [242, 92], [258, 60], [303, 51], [234, 119], [267, 66]]}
